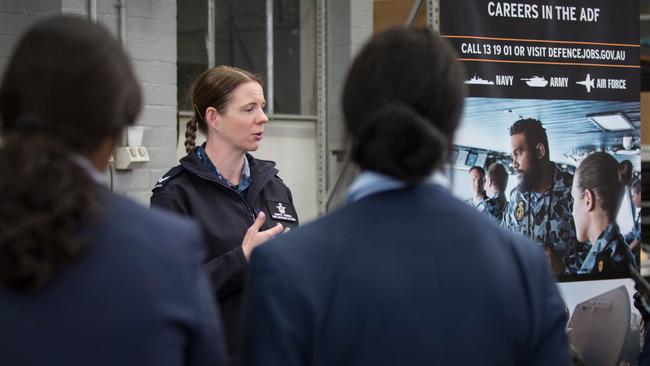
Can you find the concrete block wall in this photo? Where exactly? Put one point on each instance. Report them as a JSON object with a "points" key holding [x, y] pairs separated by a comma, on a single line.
{"points": [[151, 43], [350, 24], [15, 17]]}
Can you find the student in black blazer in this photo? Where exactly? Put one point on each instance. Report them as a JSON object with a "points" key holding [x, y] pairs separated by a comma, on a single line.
{"points": [[405, 274], [87, 277]]}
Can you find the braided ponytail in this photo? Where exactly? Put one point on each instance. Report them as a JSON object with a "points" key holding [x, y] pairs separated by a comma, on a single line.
{"points": [[190, 134]]}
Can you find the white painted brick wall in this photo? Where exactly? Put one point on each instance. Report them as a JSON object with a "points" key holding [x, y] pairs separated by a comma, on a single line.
{"points": [[151, 43], [350, 24], [15, 17]]}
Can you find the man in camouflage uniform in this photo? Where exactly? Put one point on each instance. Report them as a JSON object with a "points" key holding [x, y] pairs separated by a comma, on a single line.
{"points": [[497, 181], [540, 206], [477, 180]]}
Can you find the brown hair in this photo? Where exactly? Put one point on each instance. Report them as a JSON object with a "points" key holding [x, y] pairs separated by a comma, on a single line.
{"points": [[598, 172], [213, 88], [625, 172], [68, 88], [498, 176]]}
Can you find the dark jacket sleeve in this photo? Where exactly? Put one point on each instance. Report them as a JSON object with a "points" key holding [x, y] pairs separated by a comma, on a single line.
{"points": [[291, 200], [275, 327], [226, 270]]}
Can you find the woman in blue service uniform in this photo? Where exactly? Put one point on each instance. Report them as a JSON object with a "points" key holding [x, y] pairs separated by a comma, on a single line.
{"points": [[239, 201], [597, 195], [88, 277]]}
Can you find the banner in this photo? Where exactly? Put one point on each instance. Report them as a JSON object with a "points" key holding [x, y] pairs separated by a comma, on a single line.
{"points": [[554, 91], [561, 50], [550, 83]]}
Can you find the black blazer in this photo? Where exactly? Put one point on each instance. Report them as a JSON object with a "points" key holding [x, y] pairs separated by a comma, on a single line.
{"points": [[137, 296], [405, 277]]}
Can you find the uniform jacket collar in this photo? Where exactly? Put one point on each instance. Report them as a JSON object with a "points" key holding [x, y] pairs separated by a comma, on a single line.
{"points": [[561, 181], [261, 172], [259, 168]]}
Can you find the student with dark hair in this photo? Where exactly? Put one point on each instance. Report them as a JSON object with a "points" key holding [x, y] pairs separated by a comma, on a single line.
{"points": [[239, 201], [477, 180], [497, 181], [597, 196], [88, 277], [398, 276], [539, 208]]}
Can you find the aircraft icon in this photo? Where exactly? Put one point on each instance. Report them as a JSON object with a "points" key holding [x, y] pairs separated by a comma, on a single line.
{"points": [[588, 83]]}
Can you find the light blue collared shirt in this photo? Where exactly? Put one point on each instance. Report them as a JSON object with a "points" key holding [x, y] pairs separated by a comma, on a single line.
{"points": [[369, 182], [94, 174]]}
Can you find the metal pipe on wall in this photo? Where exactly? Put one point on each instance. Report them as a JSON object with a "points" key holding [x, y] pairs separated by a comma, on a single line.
{"points": [[210, 39], [92, 10], [121, 5], [414, 13], [269, 57]]}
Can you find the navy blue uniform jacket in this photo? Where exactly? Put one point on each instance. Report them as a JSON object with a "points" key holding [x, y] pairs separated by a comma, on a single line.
{"points": [[137, 296], [190, 189], [404, 277]]}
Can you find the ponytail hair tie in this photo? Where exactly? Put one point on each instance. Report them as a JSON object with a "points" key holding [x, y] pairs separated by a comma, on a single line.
{"points": [[197, 111]]}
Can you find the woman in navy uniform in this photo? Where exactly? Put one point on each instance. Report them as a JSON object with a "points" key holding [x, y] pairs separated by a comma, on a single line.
{"points": [[597, 195], [88, 277], [239, 201]]}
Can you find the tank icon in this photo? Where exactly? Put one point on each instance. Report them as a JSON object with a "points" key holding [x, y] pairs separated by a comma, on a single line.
{"points": [[535, 81], [475, 80]]}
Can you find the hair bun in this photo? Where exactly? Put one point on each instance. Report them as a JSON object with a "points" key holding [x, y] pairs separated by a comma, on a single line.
{"points": [[399, 142]]}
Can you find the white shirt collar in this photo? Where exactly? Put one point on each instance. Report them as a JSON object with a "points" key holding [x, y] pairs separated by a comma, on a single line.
{"points": [[94, 174], [370, 182]]}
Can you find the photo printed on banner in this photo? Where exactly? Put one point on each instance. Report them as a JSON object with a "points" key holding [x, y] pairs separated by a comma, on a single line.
{"points": [[553, 112]]}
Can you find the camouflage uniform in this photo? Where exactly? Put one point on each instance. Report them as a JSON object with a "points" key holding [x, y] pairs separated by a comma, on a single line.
{"points": [[495, 206], [635, 234], [546, 218], [479, 206], [610, 254]]}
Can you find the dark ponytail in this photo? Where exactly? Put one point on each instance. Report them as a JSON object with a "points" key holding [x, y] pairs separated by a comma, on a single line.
{"points": [[402, 101], [44, 195], [598, 172], [190, 134], [68, 90], [415, 145]]}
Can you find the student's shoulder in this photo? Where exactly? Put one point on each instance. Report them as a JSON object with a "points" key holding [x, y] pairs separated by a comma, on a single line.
{"points": [[136, 215]]}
